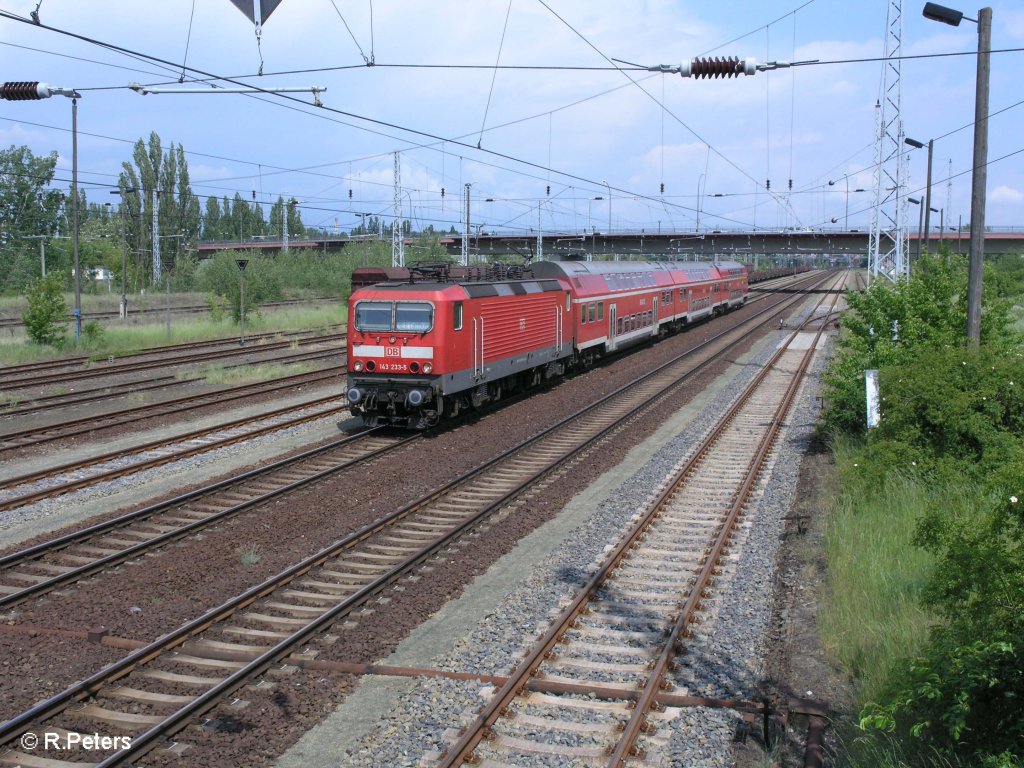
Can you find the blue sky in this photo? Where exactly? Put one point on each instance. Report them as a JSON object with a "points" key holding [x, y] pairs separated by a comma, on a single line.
{"points": [[586, 134]]}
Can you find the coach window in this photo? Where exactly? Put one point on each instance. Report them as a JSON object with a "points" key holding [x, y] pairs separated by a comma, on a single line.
{"points": [[593, 312], [568, 302], [600, 310], [373, 316], [457, 316], [414, 316], [583, 314]]}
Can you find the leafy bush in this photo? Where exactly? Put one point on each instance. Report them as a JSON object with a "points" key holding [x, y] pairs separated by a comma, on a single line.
{"points": [[952, 418], [890, 325], [46, 317], [220, 276], [93, 333]]}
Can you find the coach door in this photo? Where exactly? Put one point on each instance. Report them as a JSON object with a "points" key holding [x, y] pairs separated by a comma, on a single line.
{"points": [[654, 320], [611, 327], [478, 348]]}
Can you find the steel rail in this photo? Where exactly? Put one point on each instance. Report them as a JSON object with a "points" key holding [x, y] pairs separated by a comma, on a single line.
{"points": [[462, 750], [53, 546], [94, 683], [89, 424], [120, 389], [145, 352], [638, 720], [115, 369], [57, 490], [50, 547]]}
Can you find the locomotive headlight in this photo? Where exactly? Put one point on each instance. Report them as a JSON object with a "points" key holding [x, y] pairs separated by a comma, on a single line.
{"points": [[427, 367], [393, 339], [357, 365]]}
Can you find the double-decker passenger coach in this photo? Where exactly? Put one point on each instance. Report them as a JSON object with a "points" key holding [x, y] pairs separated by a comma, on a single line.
{"points": [[433, 346]]}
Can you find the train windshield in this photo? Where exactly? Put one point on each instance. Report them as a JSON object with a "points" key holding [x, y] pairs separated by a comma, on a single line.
{"points": [[373, 316], [414, 317]]}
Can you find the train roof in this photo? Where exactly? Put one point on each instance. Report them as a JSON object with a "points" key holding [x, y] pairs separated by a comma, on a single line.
{"points": [[472, 290], [569, 269]]}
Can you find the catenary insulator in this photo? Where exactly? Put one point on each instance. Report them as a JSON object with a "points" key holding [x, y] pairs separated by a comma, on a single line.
{"points": [[24, 91], [730, 66]]}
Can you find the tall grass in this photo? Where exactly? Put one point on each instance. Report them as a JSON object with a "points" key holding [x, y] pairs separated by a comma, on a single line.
{"points": [[117, 338], [885, 750], [872, 619]]}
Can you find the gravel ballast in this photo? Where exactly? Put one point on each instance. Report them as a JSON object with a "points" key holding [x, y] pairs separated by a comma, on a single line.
{"points": [[724, 657]]}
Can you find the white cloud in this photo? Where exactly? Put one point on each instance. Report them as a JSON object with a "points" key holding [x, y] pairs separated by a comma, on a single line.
{"points": [[1004, 194]]}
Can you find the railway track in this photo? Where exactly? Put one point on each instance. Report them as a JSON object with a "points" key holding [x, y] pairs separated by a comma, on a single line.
{"points": [[62, 561], [33, 436], [611, 652], [236, 642], [110, 391], [56, 481], [32, 378], [81, 360]]}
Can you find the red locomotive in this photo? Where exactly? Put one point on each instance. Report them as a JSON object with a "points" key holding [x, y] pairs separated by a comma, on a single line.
{"points": [[432, 347]]}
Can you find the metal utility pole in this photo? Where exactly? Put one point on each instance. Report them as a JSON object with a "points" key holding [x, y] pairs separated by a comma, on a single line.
{"points": [[397, 234], [123, 311], [540, 233], [74, 216], [32, 91], [978, 179], [156, 237], [284, 216], [928, 198], [465, 232], [887, 247]]}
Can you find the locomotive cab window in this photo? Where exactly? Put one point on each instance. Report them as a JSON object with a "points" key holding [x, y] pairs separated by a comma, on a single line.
{"points": [[373, 316], [457, 316], [414, 316]]}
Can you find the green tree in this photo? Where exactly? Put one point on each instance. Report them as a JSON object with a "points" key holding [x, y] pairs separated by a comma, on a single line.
{"points": [[178, 213], [212, 221], [46, 317], [28, 211]]}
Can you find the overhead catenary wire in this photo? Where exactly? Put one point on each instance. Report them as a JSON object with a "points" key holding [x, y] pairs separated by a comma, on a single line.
{"points": [[843, 61], [188, 41], [660, 104], [348, 29], [293, 101], [494, 75]]}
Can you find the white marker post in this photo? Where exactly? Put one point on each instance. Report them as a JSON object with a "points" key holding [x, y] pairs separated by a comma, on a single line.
{"points": [[871, 387], [242, 264]]}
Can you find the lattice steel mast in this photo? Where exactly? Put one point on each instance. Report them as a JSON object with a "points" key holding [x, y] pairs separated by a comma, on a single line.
{"points": [[397, 227], [887, 244]]}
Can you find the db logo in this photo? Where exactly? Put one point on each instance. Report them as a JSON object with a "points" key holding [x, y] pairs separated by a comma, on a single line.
{"points": [[392, 352]]}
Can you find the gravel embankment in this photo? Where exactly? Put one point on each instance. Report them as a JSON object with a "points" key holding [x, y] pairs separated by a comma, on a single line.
{"points": [[283, 532], [724, 656]]}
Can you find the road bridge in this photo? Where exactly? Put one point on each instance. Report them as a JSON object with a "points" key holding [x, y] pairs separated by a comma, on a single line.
{"points": [[739, 245]]}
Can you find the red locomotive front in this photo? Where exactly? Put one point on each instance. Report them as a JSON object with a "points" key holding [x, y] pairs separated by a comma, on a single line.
{"points": [[420, 351]]}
